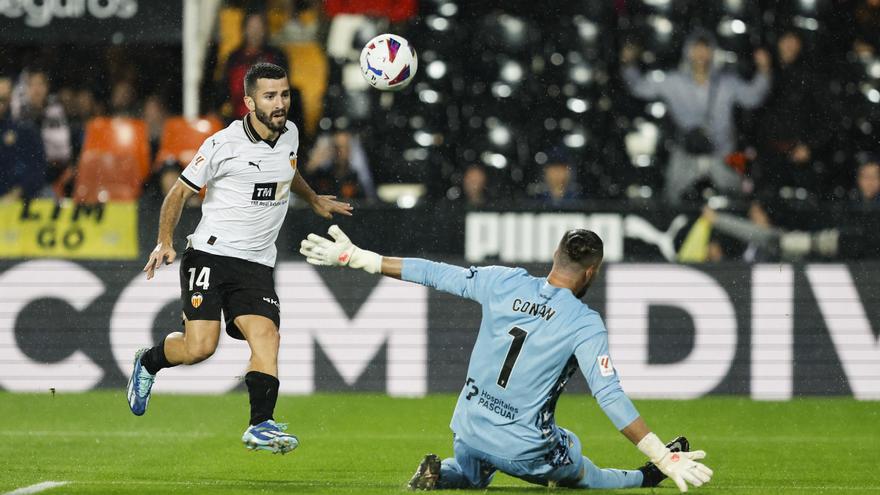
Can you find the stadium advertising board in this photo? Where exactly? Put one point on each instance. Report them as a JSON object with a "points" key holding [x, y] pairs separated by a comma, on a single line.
{"points": [[675, 331], [528, 237], [44, 228], [90, 21]]}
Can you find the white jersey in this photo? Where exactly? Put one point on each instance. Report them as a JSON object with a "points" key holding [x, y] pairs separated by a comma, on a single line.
{"points": [[248, 182]]}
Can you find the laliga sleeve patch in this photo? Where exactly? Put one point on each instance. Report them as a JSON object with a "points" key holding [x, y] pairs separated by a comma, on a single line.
{"points": [[197, 162], [605, 367]]}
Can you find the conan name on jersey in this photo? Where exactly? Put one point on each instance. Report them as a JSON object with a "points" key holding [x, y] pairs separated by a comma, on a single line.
{"points": [[534, 309]]}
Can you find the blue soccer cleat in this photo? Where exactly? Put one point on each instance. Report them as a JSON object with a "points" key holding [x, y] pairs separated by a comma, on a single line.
{"points": [[270, 436], [139, 385]]}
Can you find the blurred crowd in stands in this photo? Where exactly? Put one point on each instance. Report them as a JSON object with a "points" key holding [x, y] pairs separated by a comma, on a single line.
{"points": [[667, 102]]}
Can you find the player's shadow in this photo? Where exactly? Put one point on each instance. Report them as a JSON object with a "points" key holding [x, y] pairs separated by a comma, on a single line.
{"points": [[323, 485], [558, 490]]}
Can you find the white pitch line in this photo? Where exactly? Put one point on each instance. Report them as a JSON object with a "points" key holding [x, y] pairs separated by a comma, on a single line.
{"points": [[63, 433], [39, 487]]}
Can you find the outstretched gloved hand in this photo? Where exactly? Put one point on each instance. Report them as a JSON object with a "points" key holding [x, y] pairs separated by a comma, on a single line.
{"points": [[338, 252]]}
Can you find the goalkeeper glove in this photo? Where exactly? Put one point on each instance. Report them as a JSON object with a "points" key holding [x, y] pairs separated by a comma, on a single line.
{"points": [[680, 467], [338, 252]]}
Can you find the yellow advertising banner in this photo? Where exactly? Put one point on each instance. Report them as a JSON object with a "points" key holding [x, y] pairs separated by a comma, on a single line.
{"points": [[43, 228]]}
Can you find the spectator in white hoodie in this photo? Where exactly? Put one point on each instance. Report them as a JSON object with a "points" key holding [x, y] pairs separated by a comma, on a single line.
{"points": [[701, 100]]}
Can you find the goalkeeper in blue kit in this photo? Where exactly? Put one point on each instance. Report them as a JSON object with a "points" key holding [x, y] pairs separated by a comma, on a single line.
{"points": [[535, 333]]}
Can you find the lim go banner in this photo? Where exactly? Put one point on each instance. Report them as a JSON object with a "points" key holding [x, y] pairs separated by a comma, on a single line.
{"points": [[770, 331], [44, 228]]}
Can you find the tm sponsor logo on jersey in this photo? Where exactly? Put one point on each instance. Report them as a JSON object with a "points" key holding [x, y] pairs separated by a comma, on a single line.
{"points": [[264, 191], [272, 302], [266, 194], [534, 309]]}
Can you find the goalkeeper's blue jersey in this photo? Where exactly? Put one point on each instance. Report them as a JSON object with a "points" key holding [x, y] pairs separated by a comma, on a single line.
{"points": [[532, 339]]}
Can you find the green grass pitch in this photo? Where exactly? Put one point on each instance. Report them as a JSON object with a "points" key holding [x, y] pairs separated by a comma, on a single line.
{"points": [[370, 444]]}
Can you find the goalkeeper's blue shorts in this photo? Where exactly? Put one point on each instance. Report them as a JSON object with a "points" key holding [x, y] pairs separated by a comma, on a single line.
{"points": [[562, 466]]}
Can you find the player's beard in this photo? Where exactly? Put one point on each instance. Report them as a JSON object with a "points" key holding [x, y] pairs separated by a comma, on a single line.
{"points": [[581, 293], [266, 119]]}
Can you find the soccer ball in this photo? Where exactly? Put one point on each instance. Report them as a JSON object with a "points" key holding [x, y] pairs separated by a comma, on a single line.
{"points": [[388, 62]]}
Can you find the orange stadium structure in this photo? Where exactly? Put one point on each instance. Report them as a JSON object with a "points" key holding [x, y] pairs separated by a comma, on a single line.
{"points": [[114, 160], [181, 138]]}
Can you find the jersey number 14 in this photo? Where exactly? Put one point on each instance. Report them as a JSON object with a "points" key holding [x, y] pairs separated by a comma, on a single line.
{"points": [[203, 280]]}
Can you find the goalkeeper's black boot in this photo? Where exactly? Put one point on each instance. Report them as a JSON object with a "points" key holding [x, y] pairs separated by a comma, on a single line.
{"points": [[427, 474], [652, 474]]}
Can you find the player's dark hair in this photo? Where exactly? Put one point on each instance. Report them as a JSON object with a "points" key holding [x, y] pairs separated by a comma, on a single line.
{"points": [[262, 70], [582, 246]]}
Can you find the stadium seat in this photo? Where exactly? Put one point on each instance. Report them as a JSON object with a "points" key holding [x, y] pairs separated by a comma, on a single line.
{"points": [[599, 12], [104, 176], [309, 73], [230, 36], [277, 15], [348, 96], [181, 138], [413, 142], [121, 137], [805, 9], [347, 35]]}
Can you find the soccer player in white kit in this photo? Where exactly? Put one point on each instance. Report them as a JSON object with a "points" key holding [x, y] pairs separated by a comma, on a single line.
{"points": [[249, 169]]}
